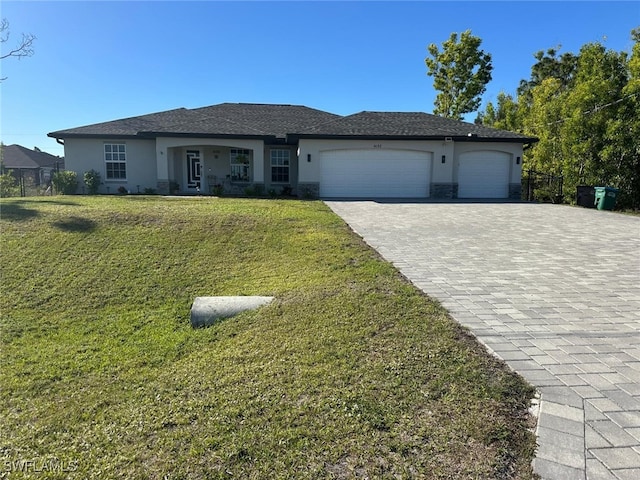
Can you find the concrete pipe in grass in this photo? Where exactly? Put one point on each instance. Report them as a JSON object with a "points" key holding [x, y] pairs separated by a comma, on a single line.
{"points": [[206, 311]]}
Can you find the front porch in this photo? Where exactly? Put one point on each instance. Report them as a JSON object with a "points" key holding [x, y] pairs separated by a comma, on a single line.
{"points": [[226, 167]]}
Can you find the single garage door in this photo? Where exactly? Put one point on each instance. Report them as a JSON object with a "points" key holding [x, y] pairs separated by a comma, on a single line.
{"points": [[483, 175], [375, 173]]}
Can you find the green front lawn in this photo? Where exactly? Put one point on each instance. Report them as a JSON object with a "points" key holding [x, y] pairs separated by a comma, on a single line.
{"points": [[350, 373]]}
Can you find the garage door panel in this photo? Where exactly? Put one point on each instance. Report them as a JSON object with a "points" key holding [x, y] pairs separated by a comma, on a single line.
{"points": [[375, 173], [483, 175]]}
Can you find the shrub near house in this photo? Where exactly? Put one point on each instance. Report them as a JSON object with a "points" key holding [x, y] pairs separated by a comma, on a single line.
{"points": [[92, 181], [65, 182], [8, 186]]}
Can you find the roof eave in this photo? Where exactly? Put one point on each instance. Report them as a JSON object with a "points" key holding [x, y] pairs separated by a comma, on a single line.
{"points": [[151, 135], [467, 138], [455, 138], [63, 135], [205, 135], [294, 137], [362, 137]]}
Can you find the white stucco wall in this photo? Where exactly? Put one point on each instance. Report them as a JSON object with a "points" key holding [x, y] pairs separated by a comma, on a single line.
{"points": [[154, 160], [82, 154]]}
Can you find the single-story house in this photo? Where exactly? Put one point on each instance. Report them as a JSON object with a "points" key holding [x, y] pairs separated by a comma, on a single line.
{"points": [[231, 148], [32, 166]]}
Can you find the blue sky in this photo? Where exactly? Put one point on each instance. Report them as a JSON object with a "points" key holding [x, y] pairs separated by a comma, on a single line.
{"points": [[99, 61]]}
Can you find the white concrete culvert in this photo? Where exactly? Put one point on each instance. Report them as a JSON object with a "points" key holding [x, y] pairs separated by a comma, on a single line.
{"points": [[206, 311]]}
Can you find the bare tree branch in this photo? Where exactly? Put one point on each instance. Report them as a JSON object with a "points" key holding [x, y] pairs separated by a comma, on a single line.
{"points": [[23, 49]]}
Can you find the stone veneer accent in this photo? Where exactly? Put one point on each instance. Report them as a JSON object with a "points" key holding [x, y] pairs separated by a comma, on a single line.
{"points": [[443, 190], [515, 191], [163, 187]]}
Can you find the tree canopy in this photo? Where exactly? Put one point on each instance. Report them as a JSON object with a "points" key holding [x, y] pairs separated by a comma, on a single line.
{"points": [[460, 71], [585, 110]]}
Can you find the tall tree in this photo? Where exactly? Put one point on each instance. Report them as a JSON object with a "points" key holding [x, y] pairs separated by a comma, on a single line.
{"points": [[585, 110], [623, 132], [543, 119], [460, 71], [506, 115], [549, 65], [591, 110], [24, 48]]}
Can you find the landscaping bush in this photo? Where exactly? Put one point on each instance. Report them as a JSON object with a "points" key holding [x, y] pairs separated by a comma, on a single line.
{"points": [[307, 193], [65, 182], [92, 181], [8, 186]]}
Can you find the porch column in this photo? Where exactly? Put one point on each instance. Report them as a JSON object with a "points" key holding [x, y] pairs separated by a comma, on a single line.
{"points": [[258, 165], [162, 166]]}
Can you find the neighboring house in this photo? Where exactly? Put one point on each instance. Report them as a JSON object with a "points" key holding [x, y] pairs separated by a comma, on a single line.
{"points": [[234, 147], [33, 166]]}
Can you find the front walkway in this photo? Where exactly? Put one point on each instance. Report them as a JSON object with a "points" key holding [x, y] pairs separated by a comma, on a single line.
{"points": [[552, 290]]}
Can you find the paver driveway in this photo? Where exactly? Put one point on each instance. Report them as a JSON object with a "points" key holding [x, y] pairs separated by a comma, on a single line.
{"points": [[555, 292]]}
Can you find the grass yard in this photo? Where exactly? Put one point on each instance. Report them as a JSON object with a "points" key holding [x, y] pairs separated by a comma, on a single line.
{"points": [[350, 373]]}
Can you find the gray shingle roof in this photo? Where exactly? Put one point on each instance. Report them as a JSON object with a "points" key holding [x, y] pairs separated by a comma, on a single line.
{"points": [[282, 121], [408, 124], [17, 156], [234, 119], [127, 126], [260, 119]]}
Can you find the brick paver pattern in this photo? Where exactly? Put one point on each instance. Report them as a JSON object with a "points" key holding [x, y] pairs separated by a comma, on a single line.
{"points": [[552, 290]]}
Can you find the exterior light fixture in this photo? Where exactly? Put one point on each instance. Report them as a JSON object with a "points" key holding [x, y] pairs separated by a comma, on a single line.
{"points": [[308, 157], [517, 160], [444, 158]]}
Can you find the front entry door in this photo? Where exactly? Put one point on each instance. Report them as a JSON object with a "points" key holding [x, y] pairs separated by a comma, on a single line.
{"points": [[194, 169]]}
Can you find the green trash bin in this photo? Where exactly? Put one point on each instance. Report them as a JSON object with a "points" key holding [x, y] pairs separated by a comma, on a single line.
{"points": [[605, 198]]}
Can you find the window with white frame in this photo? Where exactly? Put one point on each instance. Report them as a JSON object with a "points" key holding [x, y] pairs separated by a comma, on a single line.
{"points": [[115, 158], [240, 165], [280, 160]]}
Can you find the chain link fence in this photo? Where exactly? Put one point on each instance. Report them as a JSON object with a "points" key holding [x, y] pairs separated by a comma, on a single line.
{"points": [[28, 182]]}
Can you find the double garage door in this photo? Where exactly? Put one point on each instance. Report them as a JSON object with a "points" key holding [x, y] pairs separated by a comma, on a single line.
{"points": [[375, 174], [407, 174]]}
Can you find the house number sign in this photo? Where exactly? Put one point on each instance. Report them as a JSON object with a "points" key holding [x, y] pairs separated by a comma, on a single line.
{"points": [[377, 145]]}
